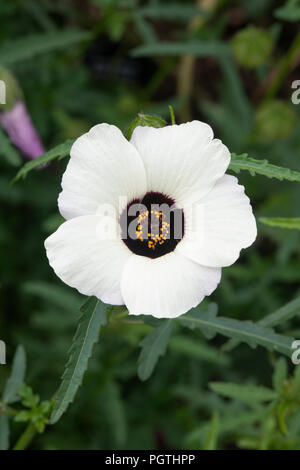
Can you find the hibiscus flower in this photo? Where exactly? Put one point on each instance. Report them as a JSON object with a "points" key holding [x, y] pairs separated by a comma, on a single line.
{"points": [[151, 222]]}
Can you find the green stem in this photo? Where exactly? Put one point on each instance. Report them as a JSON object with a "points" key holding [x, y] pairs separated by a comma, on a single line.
{"points": [[284, 67], [26, 438]]}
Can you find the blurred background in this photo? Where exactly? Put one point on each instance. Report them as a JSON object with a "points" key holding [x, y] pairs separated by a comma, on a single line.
{"points": [[81, 62]]}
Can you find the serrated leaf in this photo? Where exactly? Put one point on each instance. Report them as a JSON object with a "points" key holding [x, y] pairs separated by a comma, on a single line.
{"points": [[27, 47], [8, 151], [281, 222], [244, 393], [261, 167], [87, 334], [4, 432], [60, 151], [10, 394], [284, 313], [153, 346], [245, 331]]}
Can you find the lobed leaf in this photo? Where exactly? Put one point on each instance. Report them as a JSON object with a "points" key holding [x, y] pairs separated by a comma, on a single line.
{"points": [[87, 334], [60, 151], [244, 393], [262, 167], [245, 331]]}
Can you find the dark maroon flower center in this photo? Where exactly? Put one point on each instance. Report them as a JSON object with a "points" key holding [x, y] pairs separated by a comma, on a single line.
{"points": [[152, 226]]}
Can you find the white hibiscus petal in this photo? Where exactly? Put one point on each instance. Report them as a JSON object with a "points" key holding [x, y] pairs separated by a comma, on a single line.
{"points": [[85, 255], [166, 287], [182, 161], [103, 167], [219, 226]]}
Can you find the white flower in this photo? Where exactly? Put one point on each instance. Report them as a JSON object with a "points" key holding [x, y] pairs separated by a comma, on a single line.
{"points": [[157, 274]]}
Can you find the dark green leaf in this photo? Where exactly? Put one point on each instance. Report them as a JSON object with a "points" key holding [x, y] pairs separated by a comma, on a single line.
{"points": [[153, 345], [4, 432], [245, 331], [144, 120], [87, 334], [261, 167], [29, 46], [60, 151], [10, 394]]}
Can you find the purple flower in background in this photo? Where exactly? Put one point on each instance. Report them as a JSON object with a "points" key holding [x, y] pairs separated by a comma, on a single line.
{"points": [[20, 128]]}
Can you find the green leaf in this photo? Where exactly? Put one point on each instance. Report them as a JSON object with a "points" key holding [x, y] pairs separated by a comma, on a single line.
{"points": [[144, 120], [153, 345], [115, 412], [261, 167], [4, 432], [280, 373], [245, 331], [87, 334], [244, 393], [198, 350], [27, 47], [197, 48], [60, 151], [171, 11], [290, 11], [210, 442], [10, 394], [281, 315], [282, 222], [8, 151]]}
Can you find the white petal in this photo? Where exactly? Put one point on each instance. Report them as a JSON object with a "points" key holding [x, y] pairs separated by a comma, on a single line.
{"points": [[102, 167], [84, 257], [219, 226], [166, 287], [184, 161]]}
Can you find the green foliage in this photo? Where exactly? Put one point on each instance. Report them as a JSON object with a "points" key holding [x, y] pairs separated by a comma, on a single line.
{"points": [[184, 58], [289, 12], [282, 222], [144, 120], [60, 151], [262, 167], [197, 48], [94, 315], [36, 413], [245, 393], [245, 331], [11, 389], [4, 432], [27, 48], [153, 346], [8, 151]]}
